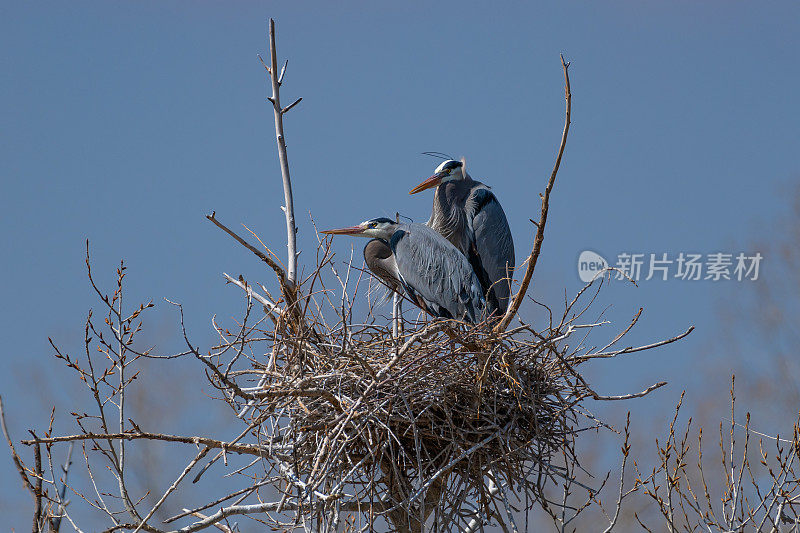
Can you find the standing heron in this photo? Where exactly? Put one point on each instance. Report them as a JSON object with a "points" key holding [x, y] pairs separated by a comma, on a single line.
{"points": [[416, 260], [467, 214]]}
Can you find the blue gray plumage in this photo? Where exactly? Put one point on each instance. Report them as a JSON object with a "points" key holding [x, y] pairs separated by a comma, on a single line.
{"points": [[417, 261], [468, 214]]}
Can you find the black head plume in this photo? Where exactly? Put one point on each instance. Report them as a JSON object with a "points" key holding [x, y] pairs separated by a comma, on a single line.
{"points": [[438, 155]]}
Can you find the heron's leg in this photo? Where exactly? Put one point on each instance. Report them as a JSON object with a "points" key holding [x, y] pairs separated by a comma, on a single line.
{"points": [[397, 315]]}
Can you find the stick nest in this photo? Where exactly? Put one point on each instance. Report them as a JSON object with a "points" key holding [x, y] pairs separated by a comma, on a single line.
{"points": [[453, 399], [431, 420]]}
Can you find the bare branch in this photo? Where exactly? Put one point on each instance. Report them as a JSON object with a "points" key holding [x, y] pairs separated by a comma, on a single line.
{"points": [[632, 349], [14, 455], [269, 307], [279, 272], [291, 228], [288, 107], [173, 487], [283, 71], [247, 449], [516, 300], [62, 494]]}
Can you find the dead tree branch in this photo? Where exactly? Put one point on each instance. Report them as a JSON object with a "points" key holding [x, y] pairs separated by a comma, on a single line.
{"points": [[247, 449], [517, 299], [288, 209]]}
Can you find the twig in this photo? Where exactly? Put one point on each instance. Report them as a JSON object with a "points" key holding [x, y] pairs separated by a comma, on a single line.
{"points": [[397, 305], [202, 453], [283, 72], [631, 349], [187, 512], [63, 492], [499, 483], [516, 300], [288, 107], [279, 272], [645, 392], [349, 506], [269, 307], [14, 455], [625, 451], [478, 520], [37, 487], [247, 449]]}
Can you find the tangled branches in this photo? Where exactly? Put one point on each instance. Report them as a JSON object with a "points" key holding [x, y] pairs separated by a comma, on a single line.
{"points": [[444, 420], [754, 477], [346, 423]]}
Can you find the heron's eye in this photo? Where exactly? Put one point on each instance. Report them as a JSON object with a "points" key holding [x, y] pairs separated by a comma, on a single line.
{"points": [[373, 224]]}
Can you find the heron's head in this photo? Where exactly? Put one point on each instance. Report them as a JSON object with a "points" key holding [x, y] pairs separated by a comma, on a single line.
{"points": [[374, 228], [449, 170]]}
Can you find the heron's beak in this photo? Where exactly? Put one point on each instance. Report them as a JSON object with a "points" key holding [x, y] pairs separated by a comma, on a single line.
{"points": [[352, 230], [433, 181]]}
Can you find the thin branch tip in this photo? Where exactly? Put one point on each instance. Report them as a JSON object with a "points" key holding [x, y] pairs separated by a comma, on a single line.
{"points": [[516, 300]]}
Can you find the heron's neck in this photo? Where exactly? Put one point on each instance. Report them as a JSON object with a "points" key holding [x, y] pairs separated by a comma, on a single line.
{"points": [[448, 216]]}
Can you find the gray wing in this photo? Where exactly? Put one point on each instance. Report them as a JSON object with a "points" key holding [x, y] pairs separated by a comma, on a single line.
{"points": [[492, 252], [436, 275]]}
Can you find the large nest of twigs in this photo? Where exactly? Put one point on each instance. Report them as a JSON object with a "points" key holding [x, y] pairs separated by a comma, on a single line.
{"points": [[443, 418], [442, 402]]}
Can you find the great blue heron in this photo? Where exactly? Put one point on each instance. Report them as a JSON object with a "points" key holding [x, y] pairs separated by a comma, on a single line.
{"points": [[415, 259], [467, 213]]}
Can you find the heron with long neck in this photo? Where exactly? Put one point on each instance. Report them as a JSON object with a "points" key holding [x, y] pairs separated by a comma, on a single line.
{"points": [[414, 260], [468, 214]]}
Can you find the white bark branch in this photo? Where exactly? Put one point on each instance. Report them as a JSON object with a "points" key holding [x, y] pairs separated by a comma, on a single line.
{"points": [[269, 306], [291, 228]]}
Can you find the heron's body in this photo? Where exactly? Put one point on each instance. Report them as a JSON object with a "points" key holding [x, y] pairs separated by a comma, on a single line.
{"points": [[415, 260], [467, 214]]}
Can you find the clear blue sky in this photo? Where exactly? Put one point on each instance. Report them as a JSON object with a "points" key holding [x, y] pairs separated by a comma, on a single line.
{"points": [[127, 122]]}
